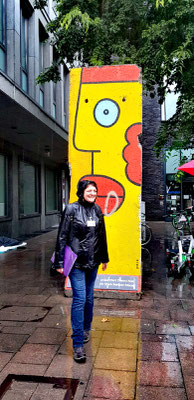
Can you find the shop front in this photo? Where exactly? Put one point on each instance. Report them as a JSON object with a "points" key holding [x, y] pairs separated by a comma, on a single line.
{"points": [[179, 195]]}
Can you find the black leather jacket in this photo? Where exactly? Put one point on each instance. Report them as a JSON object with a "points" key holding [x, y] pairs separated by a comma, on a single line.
{"points": [[88, 242]]}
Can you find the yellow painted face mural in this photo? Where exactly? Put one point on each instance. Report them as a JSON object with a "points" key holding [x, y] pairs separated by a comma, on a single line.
{"points": [[105, 123]]}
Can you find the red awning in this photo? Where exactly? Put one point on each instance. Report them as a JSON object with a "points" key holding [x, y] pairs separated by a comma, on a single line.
{"points": [[188, 167]]}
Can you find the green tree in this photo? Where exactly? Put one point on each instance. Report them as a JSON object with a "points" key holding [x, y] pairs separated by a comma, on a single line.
{"points": [[167, 58], [96, 32], [155, 34]]}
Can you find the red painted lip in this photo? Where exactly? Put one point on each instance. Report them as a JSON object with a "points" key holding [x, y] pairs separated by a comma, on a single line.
{"points": [[132, 154], [111, 193]]}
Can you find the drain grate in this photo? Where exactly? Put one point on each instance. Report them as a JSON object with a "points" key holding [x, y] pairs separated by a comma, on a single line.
{"points": [[44, 385]]}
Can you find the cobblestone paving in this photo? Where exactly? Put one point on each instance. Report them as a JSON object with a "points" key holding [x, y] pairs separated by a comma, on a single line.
{"points": [[139, 350]]}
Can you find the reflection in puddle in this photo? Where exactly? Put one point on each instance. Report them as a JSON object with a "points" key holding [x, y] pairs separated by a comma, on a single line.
{"points": [[156, 274]]}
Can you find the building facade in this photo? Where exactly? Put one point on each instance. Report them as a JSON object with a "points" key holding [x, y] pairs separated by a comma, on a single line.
{"points": [[34, 171], [178, 194], [162, 192], [34, 174]]}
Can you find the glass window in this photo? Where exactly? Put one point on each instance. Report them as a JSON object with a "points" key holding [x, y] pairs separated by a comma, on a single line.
{"points": [[24, 51], [41, 99], [23, 41], [1, 20], [2, 35], [54, 92], [55, 59], [173, 194], [28, 187], [24, 81], [54, 110], [172, 161], [54, 99], [42, 37], [41, 56], [2, 59], [51, 190], [3, 181]]}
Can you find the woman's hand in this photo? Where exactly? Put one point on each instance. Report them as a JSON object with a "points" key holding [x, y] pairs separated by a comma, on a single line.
{"points": [[60, 270], [104, 266]]}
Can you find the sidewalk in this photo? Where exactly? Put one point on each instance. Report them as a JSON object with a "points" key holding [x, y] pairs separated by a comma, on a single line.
{"points": [[141, 350]]}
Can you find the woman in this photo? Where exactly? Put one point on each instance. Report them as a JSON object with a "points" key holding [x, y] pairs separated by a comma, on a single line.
{"points": [[82, 228]]}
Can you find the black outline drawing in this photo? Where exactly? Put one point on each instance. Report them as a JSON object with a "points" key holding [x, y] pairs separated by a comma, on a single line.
{"points": [[92, 151], [113, 101], [94, 83]]}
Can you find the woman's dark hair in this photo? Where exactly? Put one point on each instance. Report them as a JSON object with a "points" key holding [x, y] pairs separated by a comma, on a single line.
{"points": [[82, 185]]}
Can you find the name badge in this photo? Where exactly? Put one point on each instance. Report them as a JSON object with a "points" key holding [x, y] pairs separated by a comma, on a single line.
{"points": [[91, 222]]}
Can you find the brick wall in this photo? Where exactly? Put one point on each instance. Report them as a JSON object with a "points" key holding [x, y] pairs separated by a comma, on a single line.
{"points": [[152, 168]]}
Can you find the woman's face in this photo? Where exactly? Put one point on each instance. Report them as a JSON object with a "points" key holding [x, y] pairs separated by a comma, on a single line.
{"points": [[90, 193]]}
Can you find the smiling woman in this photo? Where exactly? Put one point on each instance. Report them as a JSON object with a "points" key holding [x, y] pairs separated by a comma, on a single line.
{"points": [[90, 193], [82, 229], [111, 193]]}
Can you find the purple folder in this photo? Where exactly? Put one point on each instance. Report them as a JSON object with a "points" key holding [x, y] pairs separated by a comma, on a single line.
{"points": [[69, 260]]}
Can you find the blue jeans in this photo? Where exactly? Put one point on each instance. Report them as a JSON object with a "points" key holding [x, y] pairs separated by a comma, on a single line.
{"points": [[82, 283]]}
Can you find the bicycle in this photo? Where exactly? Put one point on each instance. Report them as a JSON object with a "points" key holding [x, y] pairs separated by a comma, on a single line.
{"points": [[182, 219], [146, 258], [179, 260], [146, 232]]}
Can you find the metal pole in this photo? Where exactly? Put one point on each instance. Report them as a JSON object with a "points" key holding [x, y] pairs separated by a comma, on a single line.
{"points": [[181, 193]]}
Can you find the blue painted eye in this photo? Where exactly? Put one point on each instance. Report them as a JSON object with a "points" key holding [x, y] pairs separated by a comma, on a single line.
{"points": [[106, 112]]}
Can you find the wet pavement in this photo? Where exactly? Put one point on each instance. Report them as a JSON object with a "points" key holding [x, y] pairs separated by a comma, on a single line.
{"points": [[139, 350]]}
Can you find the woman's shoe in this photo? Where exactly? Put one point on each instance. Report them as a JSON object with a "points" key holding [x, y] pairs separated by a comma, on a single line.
{"points": [[86, 336], [79, 354]]}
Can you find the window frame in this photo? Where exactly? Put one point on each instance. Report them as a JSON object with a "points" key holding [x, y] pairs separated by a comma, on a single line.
{"points": [[54, 89], [7, 188], [54, 113], [57, 184], [41, 55], [42, 37], [24, 70], [37, 189], [41, 91], [54, 6], [64, 101], [3, 41]]}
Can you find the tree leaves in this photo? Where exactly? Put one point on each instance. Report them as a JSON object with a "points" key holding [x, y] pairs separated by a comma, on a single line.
{"points": [[157, 35], [162, 2], [40, 3], [82, 19]]}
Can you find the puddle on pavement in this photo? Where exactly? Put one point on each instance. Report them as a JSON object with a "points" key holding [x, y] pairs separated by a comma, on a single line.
{"points": [[157, 276]]}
